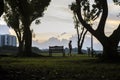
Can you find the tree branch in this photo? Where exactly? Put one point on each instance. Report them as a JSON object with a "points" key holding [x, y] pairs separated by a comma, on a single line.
{"points": [[116, 35], [83, 22], [102, 22], [83, 37]]}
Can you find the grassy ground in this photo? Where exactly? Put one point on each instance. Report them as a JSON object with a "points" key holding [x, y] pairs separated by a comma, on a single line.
{"points": [[74, 67]]}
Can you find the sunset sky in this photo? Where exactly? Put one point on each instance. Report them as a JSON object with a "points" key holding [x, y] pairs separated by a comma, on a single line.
{"points": [[57, 22]]}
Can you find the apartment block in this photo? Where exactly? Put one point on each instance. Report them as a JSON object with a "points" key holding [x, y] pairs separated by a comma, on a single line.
{"points": [[8, 40]]}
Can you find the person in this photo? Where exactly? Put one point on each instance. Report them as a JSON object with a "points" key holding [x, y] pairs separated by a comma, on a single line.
{"points": [[70, 47], [88, 50]]}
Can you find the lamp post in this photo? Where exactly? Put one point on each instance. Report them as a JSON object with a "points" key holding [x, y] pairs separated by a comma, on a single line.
{"points": [[91, 41], [92, 45]]}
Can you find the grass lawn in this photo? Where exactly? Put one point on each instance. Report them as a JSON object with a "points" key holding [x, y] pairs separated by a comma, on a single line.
{"points": [[74, 67]]}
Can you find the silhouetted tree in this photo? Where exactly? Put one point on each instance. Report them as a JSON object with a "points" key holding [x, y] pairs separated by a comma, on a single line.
{"points": [[28, 10], [13, 20], [1, 7], [81, 32], [100, 7], [117, 2]]}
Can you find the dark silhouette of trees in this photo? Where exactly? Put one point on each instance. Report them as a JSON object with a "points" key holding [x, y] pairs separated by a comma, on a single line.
{"points": [[13, 20], [117, 2], [99, 8], [26, 12], [81, 32], [1, 7]]}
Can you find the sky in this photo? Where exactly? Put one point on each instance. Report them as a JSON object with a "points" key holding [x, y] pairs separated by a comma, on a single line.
{"points": [[57, 20], [57, 27]]}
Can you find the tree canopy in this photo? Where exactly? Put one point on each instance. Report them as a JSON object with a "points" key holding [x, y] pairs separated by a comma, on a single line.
{"points": [[1, 7], [81, 32], [116, 2], [20, 14], [99, 10]]}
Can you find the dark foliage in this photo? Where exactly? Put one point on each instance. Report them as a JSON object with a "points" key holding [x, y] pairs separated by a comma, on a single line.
{"points": [[80, 34], [110, 43], [1, 7], [19, 15]]}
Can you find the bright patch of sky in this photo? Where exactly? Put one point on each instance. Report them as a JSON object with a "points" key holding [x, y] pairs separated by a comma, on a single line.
{"points": [[2, 22], [113, 20], [57, 20]]}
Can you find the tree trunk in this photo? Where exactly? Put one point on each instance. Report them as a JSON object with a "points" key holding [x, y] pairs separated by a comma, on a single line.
{"points": [[24, 9], [79, 48], [20, 49], [81, 41], [110, 51], [28, 42], [21, 42]]}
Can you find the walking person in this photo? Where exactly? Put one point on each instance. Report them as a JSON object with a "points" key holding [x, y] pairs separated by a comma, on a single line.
{"points": [[70, 47]]}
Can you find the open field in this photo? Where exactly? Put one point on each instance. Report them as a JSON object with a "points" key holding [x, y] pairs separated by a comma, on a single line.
{"points": [[74, 67]]}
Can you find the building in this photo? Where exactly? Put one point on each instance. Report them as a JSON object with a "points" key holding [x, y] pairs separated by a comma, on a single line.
{"points": [[8, 40]]}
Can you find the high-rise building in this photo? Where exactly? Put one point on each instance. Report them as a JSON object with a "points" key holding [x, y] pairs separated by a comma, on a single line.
{"points": [[8, 40]]}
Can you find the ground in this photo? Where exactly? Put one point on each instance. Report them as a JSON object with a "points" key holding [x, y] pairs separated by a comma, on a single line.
{"points": [[76, 67]]}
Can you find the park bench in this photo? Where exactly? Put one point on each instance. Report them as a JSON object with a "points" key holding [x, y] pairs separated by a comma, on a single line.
{"points": [[56, 49]]}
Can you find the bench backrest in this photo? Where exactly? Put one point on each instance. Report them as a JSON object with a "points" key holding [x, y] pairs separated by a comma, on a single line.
{"points": [[56, 49]]}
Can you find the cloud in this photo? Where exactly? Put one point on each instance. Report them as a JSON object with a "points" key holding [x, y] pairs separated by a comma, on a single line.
{"points": [[62, 34], [57, 18], [53, 41]]}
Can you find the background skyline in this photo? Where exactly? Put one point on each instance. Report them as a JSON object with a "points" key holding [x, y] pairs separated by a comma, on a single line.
{"points": [[57, 27]]}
